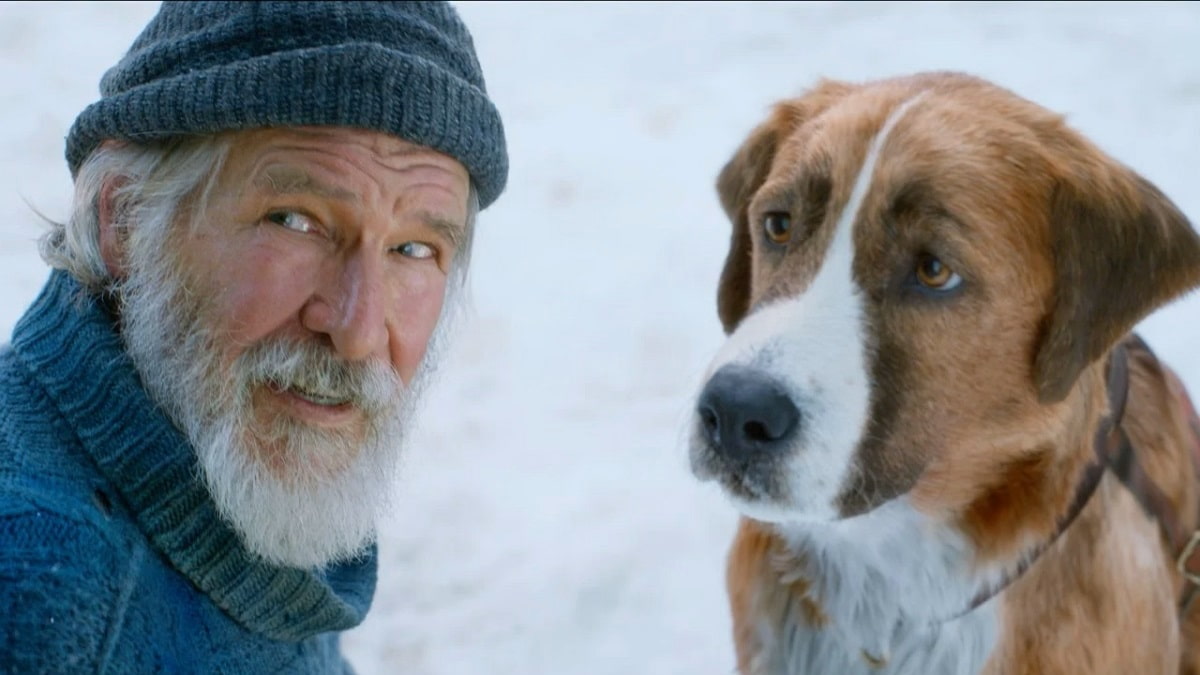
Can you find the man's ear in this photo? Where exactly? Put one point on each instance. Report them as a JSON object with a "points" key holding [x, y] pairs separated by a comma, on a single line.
{"points": [[111, 221], [1121, 250]]}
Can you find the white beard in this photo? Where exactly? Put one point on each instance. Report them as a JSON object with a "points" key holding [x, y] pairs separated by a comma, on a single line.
{"points": [[321, 501]]}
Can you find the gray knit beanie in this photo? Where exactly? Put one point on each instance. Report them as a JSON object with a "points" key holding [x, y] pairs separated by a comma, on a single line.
{"points": [[404, 68]]}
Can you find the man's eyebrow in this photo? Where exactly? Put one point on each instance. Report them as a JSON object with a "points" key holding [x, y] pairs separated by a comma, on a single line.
{"points": [[450, 230], [290, 180], [286, 180]]}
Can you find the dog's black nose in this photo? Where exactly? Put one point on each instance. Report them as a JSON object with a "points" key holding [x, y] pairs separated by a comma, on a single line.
{"points": [[744, 412]]}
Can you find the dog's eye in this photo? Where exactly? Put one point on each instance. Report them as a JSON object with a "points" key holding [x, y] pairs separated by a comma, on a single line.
{"points": [[778, 226], [935, 274]]}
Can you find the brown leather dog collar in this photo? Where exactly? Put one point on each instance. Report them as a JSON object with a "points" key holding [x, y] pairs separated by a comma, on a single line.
{"points": [[1115, 453], [1109, 435]]}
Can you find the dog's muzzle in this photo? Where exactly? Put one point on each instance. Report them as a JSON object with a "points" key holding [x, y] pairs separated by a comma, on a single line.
{"points": [[746, 415]]}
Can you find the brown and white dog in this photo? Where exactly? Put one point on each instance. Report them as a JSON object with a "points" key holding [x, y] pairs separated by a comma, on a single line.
{"points": [[950, 456]]}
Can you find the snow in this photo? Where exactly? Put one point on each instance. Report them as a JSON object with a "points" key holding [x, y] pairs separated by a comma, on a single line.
{"points": [[547, 521]]}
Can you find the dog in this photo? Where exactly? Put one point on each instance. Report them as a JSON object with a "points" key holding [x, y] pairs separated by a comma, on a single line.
{"points": [[948, 451]]}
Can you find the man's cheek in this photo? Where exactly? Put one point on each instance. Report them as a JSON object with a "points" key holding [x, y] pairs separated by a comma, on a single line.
{"points": [[413, 324]]}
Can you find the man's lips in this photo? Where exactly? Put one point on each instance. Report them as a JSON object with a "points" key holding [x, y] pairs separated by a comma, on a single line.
{"points": [[314, 397], [319, 408], [319, 399]]}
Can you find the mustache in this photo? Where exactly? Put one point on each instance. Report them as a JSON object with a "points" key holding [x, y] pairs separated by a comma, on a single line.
{"points": [[315, 370]]}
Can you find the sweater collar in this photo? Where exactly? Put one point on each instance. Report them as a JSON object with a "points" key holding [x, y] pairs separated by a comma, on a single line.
{"points": [[72, 347]]}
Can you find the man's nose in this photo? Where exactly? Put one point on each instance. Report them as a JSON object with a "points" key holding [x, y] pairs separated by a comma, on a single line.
{"points": [[353, 316]]}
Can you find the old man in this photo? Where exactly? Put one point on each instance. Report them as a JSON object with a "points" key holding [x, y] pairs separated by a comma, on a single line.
{"points": [[201, 413]]}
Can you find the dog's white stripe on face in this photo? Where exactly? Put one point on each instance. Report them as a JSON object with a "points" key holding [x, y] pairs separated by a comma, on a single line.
{"points": [[814, 346]]}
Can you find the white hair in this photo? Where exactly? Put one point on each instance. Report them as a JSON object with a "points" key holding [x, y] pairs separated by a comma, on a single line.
{"points": [[151, 183]]}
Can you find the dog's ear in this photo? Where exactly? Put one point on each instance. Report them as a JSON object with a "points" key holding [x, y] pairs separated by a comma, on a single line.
{"points": [[741, 177], [738, 181], [1121, 250]]}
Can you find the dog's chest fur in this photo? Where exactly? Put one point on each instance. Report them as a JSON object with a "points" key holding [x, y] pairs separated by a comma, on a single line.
{"points": [[959, 646], [887, 592]]}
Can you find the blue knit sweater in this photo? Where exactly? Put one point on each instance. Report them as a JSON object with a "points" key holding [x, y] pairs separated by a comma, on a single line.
{"points": [[112, 556]]}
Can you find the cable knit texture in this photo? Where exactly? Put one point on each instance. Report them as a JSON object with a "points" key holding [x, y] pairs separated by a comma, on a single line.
{"points": [[404, 68], [112, 556]]}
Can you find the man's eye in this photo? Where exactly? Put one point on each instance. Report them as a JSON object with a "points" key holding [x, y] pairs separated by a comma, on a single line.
{"points": [[415, 249], [291, 220]]}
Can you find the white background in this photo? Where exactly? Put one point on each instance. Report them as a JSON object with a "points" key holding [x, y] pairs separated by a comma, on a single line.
{"points": [[547, 521]]}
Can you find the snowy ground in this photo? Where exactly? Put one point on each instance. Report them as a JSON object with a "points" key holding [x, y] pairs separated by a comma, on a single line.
{"points": [[547, 522]]}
